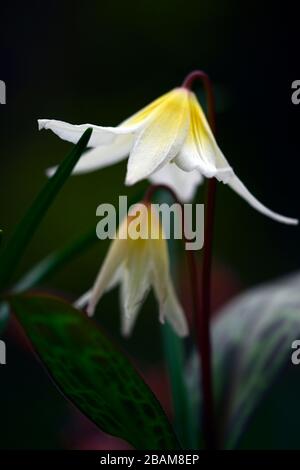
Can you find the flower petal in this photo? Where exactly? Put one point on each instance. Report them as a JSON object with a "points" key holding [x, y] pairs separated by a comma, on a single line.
{"points": [[83, 300], [182, 182], [135, 284], [114, 259], [142, 115], [73, 132], [236, 184], [173, 312], [161, 138], [101, 135], [102, 156], [200, 150], [169, 307]]}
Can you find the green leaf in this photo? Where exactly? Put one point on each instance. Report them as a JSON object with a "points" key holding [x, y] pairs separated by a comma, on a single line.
{"points": [[17, 244], [56, 260], [93, 373], [52, 263], [252, 348], [47, 266]]}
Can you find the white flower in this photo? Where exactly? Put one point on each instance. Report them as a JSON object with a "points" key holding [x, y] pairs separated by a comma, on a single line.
{"points": [[169, 141], [137, 263]]}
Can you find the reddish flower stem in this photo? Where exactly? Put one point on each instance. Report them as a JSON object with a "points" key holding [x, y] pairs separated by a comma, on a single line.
{"points": [[203, 321], [202, 297], [200, 304], [203, 301]]}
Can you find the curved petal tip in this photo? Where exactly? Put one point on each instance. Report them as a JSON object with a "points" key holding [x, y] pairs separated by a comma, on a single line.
{"points": [[51, 171], [42, 123]]}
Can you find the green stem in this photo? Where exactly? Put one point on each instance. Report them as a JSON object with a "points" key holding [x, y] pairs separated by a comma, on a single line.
{"points": [[174, 353]]}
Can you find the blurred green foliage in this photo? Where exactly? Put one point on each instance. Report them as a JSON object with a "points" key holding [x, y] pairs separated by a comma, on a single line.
{"points": [[256, 385]]}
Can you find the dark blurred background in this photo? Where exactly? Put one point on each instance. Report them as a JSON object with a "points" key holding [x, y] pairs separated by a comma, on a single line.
{"points": [[99, 62]]}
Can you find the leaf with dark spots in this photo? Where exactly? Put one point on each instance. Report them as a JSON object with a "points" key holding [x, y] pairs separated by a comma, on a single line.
{"points": [[93, 373]]}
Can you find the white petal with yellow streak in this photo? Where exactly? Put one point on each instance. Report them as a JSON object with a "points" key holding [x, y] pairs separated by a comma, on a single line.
{"points": [[144, 113], [161, 138], [101, 135], [200, 150]]}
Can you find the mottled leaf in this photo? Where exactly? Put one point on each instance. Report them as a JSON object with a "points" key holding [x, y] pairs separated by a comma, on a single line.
{"points": [[93, 373]]}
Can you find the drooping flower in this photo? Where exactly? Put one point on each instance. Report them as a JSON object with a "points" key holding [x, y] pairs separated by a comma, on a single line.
{"points": [[169, 141], [138, 260]]}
